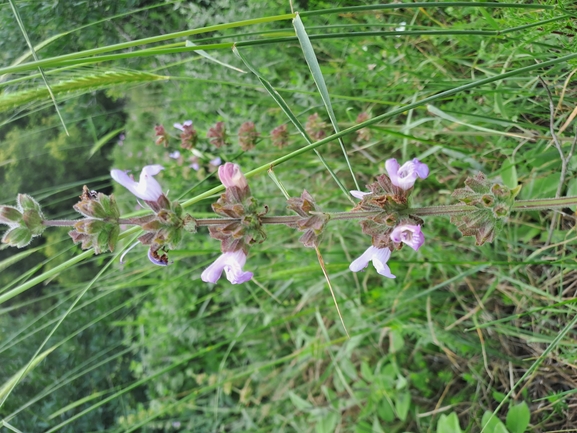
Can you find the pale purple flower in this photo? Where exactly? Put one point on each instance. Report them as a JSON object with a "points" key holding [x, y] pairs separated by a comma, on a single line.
{"points": [[405, 176], [359, 194], [379, 257], [230, 175], [408, 234], [147, 188], [174, 155], [181, 126], [195, 166], [216, 162], [231, 263]]}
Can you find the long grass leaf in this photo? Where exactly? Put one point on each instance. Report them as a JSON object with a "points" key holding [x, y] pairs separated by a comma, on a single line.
{"points": [[102, 141], [288, 112], [31, 47], [11, 383], [315, 69], [145, 41]]}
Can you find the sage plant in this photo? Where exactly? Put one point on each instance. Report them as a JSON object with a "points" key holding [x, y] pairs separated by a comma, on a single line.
{"points": [[385, 213]]}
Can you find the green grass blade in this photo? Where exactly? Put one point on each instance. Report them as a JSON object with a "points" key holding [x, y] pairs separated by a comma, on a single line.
{"points": [[288, 112], [102, 141], [31, 47], [315, 69], [213, 59], [425, 5], [45, 275], [7, 387], [116, 47]]}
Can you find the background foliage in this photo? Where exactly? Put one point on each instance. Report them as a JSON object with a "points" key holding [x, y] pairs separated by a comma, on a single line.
{"points": [[155, 349]]}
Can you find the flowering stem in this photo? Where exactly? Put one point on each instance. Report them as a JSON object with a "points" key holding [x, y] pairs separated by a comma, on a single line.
{"points": [[71, 223], [518, 206], [544, 203]]}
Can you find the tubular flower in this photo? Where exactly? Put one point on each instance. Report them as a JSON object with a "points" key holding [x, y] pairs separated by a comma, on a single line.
{"points": [[408, 234], [157, 259], [405, 176], [379, 257], [147, 188], [359, 194], [230, 175], [231, 263]]}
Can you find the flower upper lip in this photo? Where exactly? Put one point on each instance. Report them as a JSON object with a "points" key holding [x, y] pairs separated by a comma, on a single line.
{"points": [[231, 263], [147, 188], [379, 257], [404, 176]]}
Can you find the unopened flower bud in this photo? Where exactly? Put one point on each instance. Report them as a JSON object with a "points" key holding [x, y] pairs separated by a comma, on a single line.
{"points": [[231, 176], [161, 134], [363, 134], [315, 127], [247, 136], [217, 135], [280, 136], [28, 203], [10, 215], [189, 136], [17, 237]]}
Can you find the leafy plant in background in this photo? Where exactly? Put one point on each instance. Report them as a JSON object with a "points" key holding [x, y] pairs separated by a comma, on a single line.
{"points": [[252, 358]]}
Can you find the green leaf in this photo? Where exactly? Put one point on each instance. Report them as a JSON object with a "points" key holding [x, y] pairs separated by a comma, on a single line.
{"points": [[540, 187], [509, 174], [518, 418], [403, 404], [327, 423], [299, 403], [396, 341], [492, 424], [449, 424]]}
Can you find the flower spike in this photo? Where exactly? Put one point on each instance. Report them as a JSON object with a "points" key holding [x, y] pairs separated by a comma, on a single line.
{"points": [[231, 263], [404, 176], [147, 188], [379, 257]]}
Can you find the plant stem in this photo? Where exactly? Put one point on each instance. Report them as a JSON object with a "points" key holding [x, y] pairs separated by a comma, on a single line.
{"points": [[518, 206], [71, 223]]}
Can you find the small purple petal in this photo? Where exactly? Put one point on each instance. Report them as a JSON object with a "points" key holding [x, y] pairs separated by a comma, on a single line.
{"points": [[408, 234], [379, 257], [158, 260], [147, 188], [359, 194], [216, 161], [231, 263], [195, 166], [174, 155], [182, 125]]}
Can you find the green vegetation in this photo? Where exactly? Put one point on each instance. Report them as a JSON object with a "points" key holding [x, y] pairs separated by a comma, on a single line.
{"points": [[465, 339]]}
